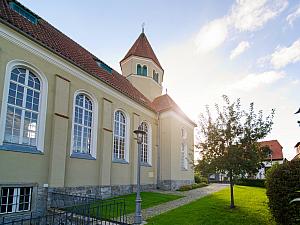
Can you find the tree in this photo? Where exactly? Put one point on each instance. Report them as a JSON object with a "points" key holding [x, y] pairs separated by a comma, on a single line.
{"points": [[229, 141]]}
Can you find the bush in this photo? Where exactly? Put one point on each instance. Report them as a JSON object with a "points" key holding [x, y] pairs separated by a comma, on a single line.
{"points": [[251, 182], [200, 179], [282, 183], [191, 186]]}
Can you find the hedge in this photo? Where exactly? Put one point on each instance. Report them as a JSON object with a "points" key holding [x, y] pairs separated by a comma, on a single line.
{"points": [[200, 179], [191, 186], [282, 183], [251, 182]]}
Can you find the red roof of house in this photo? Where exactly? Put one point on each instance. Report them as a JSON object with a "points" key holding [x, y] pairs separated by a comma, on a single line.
{"points": [[275, 147], [52, 39], [165, 103], [142, 48], [49, 37]]}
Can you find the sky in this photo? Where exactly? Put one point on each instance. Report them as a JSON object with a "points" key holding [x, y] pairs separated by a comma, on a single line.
{"points": [[247, 49]]}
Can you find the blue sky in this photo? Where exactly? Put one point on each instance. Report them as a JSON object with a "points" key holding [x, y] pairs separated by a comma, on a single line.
{"points": [[243, 48]]}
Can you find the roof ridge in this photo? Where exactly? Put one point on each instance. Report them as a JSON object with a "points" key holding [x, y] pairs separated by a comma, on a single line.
{"points": [[48, 36]]}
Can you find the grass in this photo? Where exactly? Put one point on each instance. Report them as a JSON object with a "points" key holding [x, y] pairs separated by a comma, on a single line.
{"points": [[251, 209], [149, 199], [114, 207]]}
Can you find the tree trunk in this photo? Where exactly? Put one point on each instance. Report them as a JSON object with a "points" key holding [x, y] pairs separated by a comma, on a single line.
{"points": [[231, 191]]}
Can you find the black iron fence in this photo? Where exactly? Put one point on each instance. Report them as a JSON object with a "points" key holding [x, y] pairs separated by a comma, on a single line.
{"points": [[70, 209]]}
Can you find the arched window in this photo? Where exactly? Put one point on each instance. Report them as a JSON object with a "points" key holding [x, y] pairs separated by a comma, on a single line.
{"points": [[23, 108], [155, 76], [83, 124], [120, 136], [183, 150], [145, 71], [139, 69], [146, 144]]}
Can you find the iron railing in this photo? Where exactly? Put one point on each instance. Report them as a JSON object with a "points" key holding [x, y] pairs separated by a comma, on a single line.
{"points": [[68, 209]]}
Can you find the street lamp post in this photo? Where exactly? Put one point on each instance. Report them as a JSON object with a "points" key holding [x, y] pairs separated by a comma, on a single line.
{"points": [[138, 209]]}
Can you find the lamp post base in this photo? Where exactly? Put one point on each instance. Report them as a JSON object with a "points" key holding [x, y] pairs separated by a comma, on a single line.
{"points": [[138, 211]]}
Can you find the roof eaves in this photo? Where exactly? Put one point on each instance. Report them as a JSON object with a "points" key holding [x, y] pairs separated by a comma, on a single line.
{"points": [[70, 61]]}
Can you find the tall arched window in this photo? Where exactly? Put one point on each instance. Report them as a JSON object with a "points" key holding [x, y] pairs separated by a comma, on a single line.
{"points": [[183, 150], [145, 71], [82, 124], [120, 136], [23, 108], [145, 151], [139, 69]]}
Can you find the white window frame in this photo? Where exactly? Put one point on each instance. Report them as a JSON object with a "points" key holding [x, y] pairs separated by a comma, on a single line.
{"points": [[127, 136], [93, 152], [43, 100], [149, 143], [16, 200]]}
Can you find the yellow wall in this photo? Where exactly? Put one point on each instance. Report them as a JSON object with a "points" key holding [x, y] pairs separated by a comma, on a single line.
{"points": [[55, 166], [146, 85]]}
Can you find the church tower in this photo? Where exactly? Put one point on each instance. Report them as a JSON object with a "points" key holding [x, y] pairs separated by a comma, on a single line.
{"points": [[142, 68]]}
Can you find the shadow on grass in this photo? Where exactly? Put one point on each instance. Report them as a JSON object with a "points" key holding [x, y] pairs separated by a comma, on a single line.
{"points": [[212, 210]]}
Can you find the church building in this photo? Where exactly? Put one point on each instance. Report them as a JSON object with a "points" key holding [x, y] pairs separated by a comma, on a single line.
{"points": [[67, 118]]}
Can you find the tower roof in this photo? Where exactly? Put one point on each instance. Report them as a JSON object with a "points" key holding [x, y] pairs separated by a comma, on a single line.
{"points": [[142, 48]]}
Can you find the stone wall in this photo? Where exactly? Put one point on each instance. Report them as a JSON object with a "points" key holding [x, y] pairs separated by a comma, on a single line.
{"points": [[174, 184]]}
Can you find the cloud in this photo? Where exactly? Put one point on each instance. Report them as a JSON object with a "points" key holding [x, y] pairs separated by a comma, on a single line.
{"points": [[250, 15], [286, 55], [242, 46], [212, 35], [293, 16], [255, 80], [245, 15]]}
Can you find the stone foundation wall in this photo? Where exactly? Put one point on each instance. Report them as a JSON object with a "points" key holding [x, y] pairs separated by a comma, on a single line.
{"points": [[173, 184]]}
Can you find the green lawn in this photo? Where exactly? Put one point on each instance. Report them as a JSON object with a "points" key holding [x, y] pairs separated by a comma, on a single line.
{"points": [[251, 208], [113, 208], [149, 199]]}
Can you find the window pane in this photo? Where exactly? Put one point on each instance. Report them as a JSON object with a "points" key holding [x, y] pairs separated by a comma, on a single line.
{"points": [[82, 124]]}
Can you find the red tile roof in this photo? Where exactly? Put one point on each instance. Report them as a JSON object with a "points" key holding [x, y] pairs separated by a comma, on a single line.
{"points": [[49, 37], [275, 147], [142, 48], [165, 103]]}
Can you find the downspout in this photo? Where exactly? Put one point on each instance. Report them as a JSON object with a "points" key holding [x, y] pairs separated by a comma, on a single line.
{"points": [[158, 152]]}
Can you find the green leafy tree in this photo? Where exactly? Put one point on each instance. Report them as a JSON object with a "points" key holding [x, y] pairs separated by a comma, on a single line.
{"points": [[229, 140]]}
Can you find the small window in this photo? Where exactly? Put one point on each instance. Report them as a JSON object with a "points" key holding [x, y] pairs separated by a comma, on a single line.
{"points": [[155, 76], [184, 162], [15, 199], [145, 71], [23, 12], [104, 66], [139, 69]]}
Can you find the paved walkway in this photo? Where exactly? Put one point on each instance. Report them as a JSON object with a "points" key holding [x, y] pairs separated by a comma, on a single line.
{"points": [[190, 196]]}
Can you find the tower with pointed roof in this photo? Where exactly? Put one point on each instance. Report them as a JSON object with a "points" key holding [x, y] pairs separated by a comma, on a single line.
{"points": [[142, 68]]}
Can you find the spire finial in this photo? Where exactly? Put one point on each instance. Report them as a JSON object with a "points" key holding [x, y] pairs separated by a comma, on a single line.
{"points": [[143, 27]]}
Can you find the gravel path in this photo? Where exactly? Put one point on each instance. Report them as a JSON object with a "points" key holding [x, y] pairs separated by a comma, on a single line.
{"points": [[189, 197]]}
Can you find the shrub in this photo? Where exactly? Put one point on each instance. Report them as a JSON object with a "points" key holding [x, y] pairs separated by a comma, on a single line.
{"points": [[251, 182], [191, 186], [200, 179], [282, 183]]}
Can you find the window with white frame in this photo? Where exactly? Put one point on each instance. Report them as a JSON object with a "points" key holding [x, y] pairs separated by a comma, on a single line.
{"points": [[82, 124], [119, 152], [145, 144], [183, 150], [15, 199], [23, 108]]}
